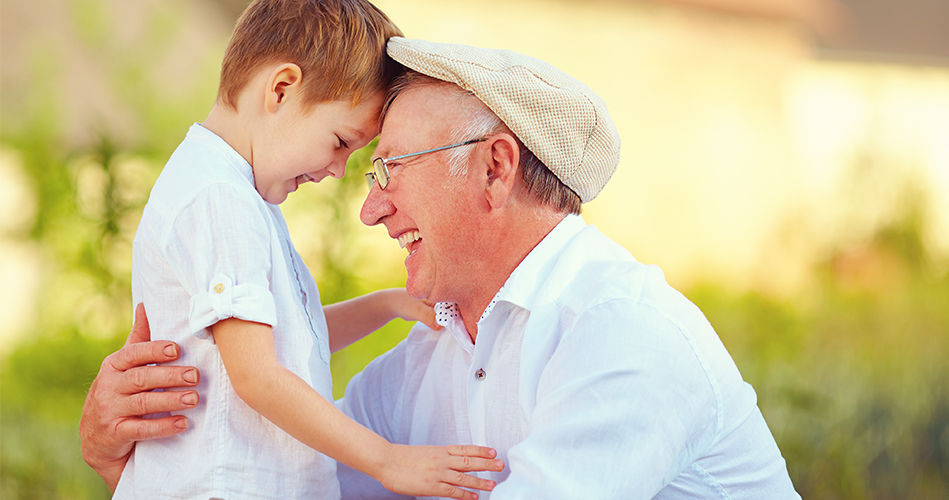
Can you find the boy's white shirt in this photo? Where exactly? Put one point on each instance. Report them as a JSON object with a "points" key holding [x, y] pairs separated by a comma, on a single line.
{"points": [[208, 248]]}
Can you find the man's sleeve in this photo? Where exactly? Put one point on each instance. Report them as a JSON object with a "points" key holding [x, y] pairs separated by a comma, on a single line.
{"points": [[623, 405]]}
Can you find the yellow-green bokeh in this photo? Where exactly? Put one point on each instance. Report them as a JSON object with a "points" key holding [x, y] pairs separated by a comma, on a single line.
{"points": [[802, 203]]}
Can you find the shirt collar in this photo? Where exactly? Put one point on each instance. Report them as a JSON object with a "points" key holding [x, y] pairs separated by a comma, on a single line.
{"points": [[522, 285], [208, 139]]}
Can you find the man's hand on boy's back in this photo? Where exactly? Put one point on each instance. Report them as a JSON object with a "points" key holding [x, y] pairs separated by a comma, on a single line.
{"points": [[121, 395]]}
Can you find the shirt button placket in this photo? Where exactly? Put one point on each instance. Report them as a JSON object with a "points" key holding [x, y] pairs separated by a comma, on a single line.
{"points": [[476, 406]]}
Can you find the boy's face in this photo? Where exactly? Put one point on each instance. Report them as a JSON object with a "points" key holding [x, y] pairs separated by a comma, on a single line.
{"points": [[308, 145]]}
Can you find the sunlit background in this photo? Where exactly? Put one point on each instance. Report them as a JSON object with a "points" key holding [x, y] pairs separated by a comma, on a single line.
{"points": [[785, 162]]}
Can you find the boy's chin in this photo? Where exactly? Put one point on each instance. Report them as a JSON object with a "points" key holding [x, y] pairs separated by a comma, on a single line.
{"points": [[275, 198]]}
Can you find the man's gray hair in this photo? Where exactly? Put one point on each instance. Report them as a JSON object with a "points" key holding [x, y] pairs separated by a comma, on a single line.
{"points": [[542, 184]]}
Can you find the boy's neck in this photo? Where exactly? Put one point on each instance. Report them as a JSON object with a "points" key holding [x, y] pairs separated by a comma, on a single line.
{"points": [[226, 123]]}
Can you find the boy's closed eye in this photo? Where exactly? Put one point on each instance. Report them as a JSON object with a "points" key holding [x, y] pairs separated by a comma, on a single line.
{"points": [[342, 143]]}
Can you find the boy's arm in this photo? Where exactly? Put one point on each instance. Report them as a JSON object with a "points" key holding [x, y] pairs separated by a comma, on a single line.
{"points": [[353, 319], [247, 350]]}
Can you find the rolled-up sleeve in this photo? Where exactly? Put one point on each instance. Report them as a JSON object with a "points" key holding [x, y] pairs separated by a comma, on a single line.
{"points": [[224, 300], [221, 244]]}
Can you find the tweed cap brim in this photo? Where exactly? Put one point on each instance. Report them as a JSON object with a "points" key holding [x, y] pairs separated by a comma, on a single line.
{"points": [[564, 123]]}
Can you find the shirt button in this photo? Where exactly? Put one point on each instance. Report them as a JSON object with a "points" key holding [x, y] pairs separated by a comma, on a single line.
{"points": [[480, 374], [219, 288]]}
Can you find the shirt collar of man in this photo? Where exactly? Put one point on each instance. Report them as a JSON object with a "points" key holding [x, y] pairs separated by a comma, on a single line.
{"points": [[522, 285]]}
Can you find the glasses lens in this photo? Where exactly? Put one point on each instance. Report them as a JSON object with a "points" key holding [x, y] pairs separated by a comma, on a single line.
{"points": [[370, 179], [382, 173]]}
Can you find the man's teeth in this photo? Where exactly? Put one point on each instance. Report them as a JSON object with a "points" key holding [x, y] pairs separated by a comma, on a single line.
{"points": [[408, 237]]}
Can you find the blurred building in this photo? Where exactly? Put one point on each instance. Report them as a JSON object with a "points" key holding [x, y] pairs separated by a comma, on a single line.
{"points": [[756, 135]]}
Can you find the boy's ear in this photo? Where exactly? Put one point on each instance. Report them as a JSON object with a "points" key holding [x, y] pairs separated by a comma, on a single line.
{"points": [[284, 82], [503, 157]]}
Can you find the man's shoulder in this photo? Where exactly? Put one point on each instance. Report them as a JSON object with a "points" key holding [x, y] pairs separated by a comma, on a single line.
{"points": [[595, 275], [608, 297], [593, 268]]}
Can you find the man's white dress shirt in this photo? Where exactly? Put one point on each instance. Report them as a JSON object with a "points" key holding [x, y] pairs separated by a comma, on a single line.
{"points": [[591, 376], [209, 248]]}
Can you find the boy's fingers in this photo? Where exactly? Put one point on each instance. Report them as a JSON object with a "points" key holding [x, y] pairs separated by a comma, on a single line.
{"points": [[471, 450], [430, 322], [460, 494], [469, 481], [147, 378], [468, 464], [142, 353], [426, 314], [139, 429], [453, 492], [145, 403]]}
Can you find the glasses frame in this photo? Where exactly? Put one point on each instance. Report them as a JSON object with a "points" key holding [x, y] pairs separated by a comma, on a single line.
{"points": [[380, 168]]}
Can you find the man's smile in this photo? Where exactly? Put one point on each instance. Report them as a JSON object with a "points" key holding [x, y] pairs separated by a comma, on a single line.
{"points": [[407, 238]]}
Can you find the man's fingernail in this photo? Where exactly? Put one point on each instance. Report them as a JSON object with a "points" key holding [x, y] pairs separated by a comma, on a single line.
{"points": [[171, 351], [191, 376], [181, 424], [189, 398]]}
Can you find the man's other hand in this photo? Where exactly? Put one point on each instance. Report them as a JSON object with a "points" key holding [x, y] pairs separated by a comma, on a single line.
{"points": [[121, 395]]}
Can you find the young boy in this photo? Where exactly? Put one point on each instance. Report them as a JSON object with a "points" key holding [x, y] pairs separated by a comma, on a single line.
{"points": [[301, 88]]}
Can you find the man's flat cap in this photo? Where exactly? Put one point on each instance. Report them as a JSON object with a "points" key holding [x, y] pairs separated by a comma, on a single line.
{"points": [[563, 122]]}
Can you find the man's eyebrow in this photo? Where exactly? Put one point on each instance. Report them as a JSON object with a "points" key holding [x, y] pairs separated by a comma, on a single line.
{"points": [[389, 149], [378, 152]]}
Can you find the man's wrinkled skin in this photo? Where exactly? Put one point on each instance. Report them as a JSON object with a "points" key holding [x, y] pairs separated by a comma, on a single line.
{"points": [[110, 423]]}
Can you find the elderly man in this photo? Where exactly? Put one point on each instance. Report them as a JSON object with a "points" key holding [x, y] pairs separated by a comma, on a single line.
{"points": [[590, 375]]}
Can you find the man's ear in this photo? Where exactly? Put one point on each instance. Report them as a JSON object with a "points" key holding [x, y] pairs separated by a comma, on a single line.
{"points": [[503, 158], [284, 83]]}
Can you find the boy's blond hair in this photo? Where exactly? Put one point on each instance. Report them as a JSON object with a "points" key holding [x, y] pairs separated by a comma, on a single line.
{"points": [[340, 45]]}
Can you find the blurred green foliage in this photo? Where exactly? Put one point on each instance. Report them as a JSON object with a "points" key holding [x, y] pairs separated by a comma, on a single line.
{"points": [[850, 376]]}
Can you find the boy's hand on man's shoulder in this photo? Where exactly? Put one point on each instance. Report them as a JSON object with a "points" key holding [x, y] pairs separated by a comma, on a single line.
{"points": [[411, 309]]}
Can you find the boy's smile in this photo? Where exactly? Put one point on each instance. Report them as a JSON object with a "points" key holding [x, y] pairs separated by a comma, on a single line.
{"points": [[304, 178], [303, 146]]}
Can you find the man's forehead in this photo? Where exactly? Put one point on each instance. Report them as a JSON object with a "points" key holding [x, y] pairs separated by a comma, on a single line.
{"points": [[415, 117]]}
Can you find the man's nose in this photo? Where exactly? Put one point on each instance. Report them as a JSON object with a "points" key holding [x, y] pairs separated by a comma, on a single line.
{"points": [[376, 206]]}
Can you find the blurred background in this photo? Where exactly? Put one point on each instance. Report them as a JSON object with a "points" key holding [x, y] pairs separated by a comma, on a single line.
{"points": [[786, 163]]}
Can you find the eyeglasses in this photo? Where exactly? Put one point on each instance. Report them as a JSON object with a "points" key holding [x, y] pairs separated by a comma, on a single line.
{"points": [[380, 166]]}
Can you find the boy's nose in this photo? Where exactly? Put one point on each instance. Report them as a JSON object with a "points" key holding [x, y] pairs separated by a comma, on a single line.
{"points": [[337, 169]]}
